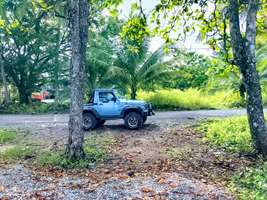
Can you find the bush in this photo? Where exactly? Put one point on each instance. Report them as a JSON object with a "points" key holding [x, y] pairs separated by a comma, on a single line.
{"points": [[251, 183], [59, 159], [230, 133], [191, 99], [7, 135], [18, 152], [35, 107], [96, 149]]}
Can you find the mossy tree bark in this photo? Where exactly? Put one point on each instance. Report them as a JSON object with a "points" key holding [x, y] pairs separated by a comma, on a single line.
{"points": [[244, 57], [78, 16]]}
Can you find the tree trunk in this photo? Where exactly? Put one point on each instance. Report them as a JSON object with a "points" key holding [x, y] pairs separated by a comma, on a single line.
{"points": [[79, 30], [56, 70], [23, 97], [7, 99], [133, 92], [244, 57]]}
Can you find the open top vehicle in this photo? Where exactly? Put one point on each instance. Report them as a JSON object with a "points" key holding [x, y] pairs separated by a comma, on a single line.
{"points": [[105, 105]]}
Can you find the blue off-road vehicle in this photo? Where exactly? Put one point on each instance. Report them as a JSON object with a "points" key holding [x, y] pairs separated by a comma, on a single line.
{"points": [[105, 105]]}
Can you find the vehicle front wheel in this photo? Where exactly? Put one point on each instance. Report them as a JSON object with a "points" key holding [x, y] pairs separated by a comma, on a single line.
{"points": [[89, 121], [133, 121]]}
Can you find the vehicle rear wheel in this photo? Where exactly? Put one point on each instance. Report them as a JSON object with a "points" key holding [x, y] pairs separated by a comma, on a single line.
{"points": [[89, 121], [133, 120]]}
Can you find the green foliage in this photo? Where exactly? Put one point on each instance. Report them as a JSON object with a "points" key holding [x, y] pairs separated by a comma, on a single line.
{"points": [[231, 134], [101, 53], [34, 108], [30, 44], [95, 147], [223, 76], [137, 69], [251, 183], [18, 153], [189, 70], [7, 135], [191, 99], [210, 19], [59, 159], [134, 32]]}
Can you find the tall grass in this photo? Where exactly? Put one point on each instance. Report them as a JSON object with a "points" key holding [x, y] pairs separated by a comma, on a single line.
{"points": [[251, 183], [231, 134], [191, 99]]}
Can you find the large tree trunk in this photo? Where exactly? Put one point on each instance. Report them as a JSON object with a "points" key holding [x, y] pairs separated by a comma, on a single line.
{"points": [[244, 57], [7, 99], [79, 31]]}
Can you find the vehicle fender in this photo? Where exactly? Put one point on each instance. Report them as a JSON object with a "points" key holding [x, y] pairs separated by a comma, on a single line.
{"points": [[132, 109], [91, 110]]}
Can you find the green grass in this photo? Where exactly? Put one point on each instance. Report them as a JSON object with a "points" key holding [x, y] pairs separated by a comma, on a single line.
{"points": [[191, 99], [251, 183], [96, 150], [7, 135], [18, 153], [231, 134]]}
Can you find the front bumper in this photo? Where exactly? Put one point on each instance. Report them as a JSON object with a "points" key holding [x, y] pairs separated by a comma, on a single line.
{"points": [[150, 110]]}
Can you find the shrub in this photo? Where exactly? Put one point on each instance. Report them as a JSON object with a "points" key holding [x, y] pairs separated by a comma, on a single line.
{"points": [[35, 107], [251, 183], [229, 133], [96, 149], [191, 99], [18, 152], [7, 135]]}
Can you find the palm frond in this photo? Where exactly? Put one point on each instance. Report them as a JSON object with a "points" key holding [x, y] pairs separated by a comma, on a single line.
{"points": [[154, 58]]}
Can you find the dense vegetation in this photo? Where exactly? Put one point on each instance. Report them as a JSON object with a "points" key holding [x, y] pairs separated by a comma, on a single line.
{"points": [[192, 99], [232, 134], [112, 60]]}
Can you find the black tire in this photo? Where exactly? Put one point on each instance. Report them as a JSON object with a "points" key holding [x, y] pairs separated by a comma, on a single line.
{"points": [[101, 122], [89, 121], [144, 119], [133, 121]]}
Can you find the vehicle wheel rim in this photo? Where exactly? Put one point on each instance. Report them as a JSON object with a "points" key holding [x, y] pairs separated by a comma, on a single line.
{"points": [[87, 123], [133, 122]]}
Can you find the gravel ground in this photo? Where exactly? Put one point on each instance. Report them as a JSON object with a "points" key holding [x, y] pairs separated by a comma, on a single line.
{"points": [[20, 183]]}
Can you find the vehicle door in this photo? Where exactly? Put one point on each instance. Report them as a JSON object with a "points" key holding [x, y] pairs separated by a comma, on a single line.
{"points": [[108, 105]]}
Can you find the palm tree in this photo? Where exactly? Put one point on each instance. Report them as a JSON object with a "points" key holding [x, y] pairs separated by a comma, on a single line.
{"points": [[136, 69]]}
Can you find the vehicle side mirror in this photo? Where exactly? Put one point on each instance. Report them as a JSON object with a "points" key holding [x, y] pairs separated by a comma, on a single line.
{"points": [[114, 99]]}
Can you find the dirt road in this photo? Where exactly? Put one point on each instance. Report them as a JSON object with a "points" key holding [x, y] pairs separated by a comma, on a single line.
{"points": [[179, 117]]}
